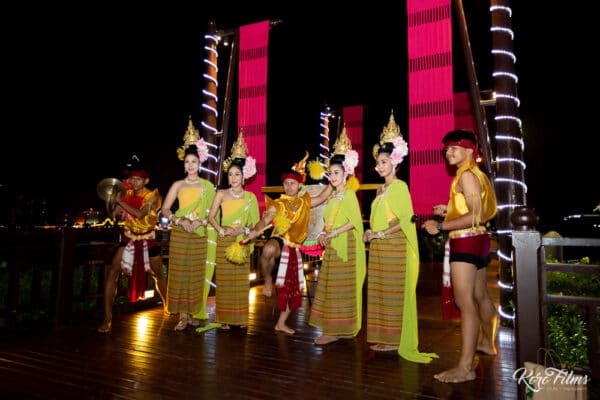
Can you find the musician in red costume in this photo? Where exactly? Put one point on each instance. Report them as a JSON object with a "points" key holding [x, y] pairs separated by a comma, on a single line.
{"points": [[138, 252]]}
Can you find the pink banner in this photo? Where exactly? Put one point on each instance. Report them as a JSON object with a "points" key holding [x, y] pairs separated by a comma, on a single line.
{"points": [[464, 117], [353, 118], [252, 99], [430, 98]]}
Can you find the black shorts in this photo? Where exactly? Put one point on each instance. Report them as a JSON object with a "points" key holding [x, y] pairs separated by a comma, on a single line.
{"points": [[471, 249]]}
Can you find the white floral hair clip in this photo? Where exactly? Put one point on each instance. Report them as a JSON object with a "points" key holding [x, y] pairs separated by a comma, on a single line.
{"points": [[350, 161]]}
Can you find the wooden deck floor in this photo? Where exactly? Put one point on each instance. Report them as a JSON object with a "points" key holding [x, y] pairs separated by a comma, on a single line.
{"points": [[144, 358]]}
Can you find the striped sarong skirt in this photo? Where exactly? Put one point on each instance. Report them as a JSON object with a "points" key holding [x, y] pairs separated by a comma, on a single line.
{"points": [[334, 306], [187, 270], [386, 286], [233, 286]]}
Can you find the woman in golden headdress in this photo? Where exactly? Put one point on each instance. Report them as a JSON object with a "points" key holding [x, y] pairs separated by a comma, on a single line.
{"points": [[337, 307], [393, 256], [192, 240], [239, 212]]}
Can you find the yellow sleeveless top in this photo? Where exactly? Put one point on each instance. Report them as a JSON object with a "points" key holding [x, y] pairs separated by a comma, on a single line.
{"points": [[457, 205], [187, 196]]}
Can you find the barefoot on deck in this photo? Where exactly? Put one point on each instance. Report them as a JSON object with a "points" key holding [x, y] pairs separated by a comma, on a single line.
{"points": [[455, 375], [326, 339], [268, 288], [383, 347], [284, 328], [105, 327], [486, 349]]}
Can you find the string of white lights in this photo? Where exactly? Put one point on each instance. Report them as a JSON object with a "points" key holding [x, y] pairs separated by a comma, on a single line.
{"points": [[508, 96], [505, 53], [503, 29], [210, 78], [324, 116], [509, 117], [516, 139], [504, 314], [212, 64], [501, 8], [211, 51], [515, 181], [506, 74], [507, 286], [503, 206], [503, 256], [500, 30], [212, 109], [211, 128], [510, 159], [210, 94]]}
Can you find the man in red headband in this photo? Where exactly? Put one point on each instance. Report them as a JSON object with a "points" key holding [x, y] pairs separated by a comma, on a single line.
{"points": [[472, 203], [138, 252], [284, 247]]}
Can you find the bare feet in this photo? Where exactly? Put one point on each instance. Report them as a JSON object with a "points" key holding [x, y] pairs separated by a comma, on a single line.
{"points": [[195, 322], [105, 327], [486, 348], [184, 321], [455, 375], [284, 328], [268, 288], [383, 347], [325, 339], [181, 325]]}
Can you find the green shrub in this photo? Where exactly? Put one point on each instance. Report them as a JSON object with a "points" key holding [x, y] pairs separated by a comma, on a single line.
{"points": [[568, 335]]}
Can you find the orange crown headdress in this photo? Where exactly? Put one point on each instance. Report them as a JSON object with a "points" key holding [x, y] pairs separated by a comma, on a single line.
{"points": [[298, 171]]}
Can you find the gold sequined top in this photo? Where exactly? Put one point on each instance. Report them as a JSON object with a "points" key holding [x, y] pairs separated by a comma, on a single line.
{"points": [[297, 210]]}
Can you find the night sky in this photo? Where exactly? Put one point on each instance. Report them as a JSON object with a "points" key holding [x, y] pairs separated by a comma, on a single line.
{"points": [[123, 82]]}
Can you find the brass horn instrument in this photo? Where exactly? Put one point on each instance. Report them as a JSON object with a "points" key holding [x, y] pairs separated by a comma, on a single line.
{"points": [[108, 190]]}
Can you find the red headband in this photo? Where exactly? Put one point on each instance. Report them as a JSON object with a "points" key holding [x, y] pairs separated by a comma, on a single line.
{"points": [[292, 175], [140, 173], [467, 144]]}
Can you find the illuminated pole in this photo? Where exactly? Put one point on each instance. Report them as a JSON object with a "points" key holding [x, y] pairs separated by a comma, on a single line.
{"points": [[209, 105], [324, 144], [510, 181]]}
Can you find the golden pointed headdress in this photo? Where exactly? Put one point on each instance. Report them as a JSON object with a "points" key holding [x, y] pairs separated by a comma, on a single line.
{"points": [[191, 137], [342, 143], [300, 166], [298, 171], [388, 134], [238, 150]]}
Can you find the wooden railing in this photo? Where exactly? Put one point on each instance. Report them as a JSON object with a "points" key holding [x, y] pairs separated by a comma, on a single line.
{"points": [[49, 275], [531, 293]]}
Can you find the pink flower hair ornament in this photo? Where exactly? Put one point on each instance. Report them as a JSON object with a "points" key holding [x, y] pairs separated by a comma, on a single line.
{"points": [[400, 150], [249, 167], [350, 161], [202, 150]]}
